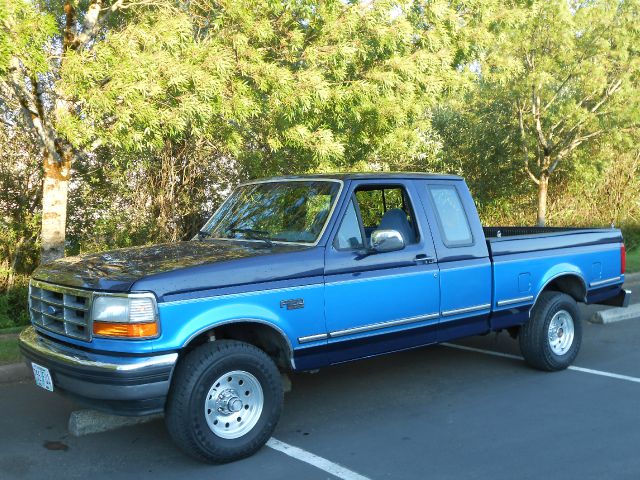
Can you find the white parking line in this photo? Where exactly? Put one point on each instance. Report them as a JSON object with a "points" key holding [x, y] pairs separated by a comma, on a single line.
{"points": [[571, 367], [312, 459], [605, 374]]}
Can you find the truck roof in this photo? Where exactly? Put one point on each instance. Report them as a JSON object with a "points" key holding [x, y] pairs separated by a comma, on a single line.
{"points": [[366, 176]]}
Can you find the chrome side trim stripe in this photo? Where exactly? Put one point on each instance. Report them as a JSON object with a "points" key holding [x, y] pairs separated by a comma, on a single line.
{"points": [[312, 338], [240, 294], [378, 277], [511, 301], [377, 326], [457, 311], [390, 323], [602, 282]]}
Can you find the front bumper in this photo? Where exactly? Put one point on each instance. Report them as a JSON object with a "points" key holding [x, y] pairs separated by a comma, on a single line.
{"points": [[124, 384]]}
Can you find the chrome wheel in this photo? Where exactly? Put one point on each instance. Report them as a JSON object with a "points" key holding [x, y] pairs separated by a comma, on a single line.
{"points": [[234, 404], [561, 332]]}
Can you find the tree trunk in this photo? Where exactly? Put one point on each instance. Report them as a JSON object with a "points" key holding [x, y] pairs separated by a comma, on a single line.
{"points": [[543, 186], [54, 208]]}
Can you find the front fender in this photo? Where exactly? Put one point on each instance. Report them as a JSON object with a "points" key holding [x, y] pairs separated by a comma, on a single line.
{"points": [[183, 320]]}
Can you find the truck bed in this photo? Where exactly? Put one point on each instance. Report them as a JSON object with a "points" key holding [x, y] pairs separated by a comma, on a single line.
{"points": [[516, 231], [513, 240]]}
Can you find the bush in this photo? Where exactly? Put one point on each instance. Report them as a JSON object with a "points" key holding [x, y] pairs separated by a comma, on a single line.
{"points": [[14, 307], [631, 233]]}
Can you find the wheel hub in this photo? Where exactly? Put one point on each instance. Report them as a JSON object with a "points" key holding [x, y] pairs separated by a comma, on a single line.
{"points": [[233, 404], [561, 332], [228, 402]]}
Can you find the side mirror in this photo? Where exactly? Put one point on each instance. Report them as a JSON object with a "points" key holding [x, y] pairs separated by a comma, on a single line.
{"points": [[386, 241]]}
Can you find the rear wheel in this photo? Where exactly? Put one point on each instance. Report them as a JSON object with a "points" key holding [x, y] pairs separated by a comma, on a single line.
{"points": [[551, 339], [225, 401]]}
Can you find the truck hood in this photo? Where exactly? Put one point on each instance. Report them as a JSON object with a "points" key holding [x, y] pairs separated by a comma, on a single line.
{"points": [[119, 270]]}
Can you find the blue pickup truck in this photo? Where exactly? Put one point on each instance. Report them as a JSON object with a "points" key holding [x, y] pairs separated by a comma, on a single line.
{"points": [[298, 273]]}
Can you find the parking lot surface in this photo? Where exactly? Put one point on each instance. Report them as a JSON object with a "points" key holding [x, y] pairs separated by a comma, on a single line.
{"points": [[437, 412]]}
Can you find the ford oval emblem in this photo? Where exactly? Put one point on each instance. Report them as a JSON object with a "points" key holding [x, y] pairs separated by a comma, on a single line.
{"points": [[51, 310]]}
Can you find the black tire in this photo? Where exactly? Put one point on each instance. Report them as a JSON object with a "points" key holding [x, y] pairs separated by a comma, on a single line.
{"points": [[534, 335], [195, 374]]}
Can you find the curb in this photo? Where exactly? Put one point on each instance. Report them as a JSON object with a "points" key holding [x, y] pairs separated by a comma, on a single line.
{"points": [[613, 315], [14, 372], [85, 422]]}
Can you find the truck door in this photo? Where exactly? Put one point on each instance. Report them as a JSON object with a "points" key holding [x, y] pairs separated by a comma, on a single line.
{"points": [[380, 302], [463, 258]]}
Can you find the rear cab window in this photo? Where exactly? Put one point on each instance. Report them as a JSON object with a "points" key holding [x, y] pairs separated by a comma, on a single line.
{"points": [[451, 216]]}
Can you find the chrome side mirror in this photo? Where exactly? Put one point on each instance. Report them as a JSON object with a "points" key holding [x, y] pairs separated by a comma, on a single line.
{"points": [[386, 241]]}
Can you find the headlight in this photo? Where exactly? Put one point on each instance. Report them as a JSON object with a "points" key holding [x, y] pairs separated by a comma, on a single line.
{"points": [[127, 316]]}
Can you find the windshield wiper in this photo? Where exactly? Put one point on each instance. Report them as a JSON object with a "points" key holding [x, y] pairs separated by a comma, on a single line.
{"points": [[253, 234], [203, 234]]}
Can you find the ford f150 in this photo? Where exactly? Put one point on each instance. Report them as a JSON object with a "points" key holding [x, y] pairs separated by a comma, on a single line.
{"points": [[298, 273]]}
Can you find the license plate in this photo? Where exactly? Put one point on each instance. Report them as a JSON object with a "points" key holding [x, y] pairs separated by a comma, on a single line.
{"points": [[42, 376]]}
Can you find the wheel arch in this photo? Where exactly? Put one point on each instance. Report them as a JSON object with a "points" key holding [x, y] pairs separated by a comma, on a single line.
{"points": [[570, 283], [265, 335]]}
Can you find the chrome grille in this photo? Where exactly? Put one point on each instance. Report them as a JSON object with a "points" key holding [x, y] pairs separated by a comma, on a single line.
{"points": [[61, 310]]}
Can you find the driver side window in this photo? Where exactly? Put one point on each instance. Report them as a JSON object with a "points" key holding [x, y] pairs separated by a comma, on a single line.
{"points": [[376, 207]]}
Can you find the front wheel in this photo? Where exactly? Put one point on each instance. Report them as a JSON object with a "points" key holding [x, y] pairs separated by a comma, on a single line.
{"points": [[225, 401], [551, 339]]}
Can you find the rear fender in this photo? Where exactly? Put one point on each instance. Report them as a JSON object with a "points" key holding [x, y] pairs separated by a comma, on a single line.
{"points": [[566, 278]]}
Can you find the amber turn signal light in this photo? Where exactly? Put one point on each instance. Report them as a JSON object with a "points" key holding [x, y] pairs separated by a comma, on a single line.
{"points": [[125, 330]]}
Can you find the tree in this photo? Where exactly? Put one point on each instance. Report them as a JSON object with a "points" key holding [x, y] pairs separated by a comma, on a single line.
{"points": [[36, 39], [275, 87], [280, 87], [569, 71]]}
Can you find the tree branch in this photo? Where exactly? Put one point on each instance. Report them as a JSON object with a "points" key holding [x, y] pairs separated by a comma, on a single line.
{"points": [[69, 37], [118, 5], [90, 24], [535, 110], [30, 103], [611, 90], [523, 143], [574, 67], [557, 92], [572, 145]]}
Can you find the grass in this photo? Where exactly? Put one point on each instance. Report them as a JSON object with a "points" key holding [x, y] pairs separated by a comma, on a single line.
{"points": [[5, 331], [9, 351], [633, 260]]}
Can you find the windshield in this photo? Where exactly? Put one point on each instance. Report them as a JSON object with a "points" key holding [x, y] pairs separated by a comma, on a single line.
{"points": [[282, 211]]}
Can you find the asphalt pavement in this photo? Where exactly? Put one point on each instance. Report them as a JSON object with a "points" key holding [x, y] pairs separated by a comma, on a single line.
{"points": [[437, 412]]}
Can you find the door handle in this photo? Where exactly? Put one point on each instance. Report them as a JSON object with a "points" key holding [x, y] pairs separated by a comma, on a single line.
{"points": [[423, 258]]}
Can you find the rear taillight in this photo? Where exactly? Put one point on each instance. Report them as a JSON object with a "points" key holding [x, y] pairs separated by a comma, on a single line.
{"points": [[623, 259]]}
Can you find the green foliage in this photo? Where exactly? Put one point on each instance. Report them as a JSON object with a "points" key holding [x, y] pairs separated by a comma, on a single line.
{"points": [[20, 184], [633, 260], [13, 304], [277, 86], [374, 203], [25, 33], [556, 81]]}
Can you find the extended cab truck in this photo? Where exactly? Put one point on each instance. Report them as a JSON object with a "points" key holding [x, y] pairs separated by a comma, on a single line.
{"points": [[298, 273]]}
